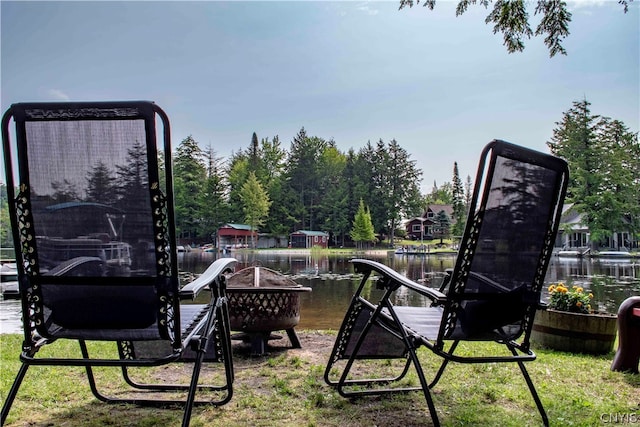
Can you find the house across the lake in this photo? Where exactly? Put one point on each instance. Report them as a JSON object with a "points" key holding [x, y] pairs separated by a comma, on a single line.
{"points": [[575, 234], [308, 239], [428, 223]]}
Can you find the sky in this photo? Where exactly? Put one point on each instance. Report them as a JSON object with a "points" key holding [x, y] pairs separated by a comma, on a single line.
{"points": [[442, 86]]}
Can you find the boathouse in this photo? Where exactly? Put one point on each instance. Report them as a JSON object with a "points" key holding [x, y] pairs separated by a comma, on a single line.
{"points": [[232, 236]]}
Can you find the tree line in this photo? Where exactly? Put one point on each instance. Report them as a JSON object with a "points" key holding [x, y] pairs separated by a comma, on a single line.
{"points": [[311, 186], [315, 186], [355, 195]]}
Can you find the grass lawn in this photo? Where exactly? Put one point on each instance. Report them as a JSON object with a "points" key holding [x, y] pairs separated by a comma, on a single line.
{"points": [[286, 388]]}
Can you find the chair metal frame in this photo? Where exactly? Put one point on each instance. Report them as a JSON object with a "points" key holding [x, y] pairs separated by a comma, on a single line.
{"points": [[203, 338], [382, 330]]}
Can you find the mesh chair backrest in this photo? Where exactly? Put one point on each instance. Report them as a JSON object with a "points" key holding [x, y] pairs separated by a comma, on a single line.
{"points": [[508, 240], [91, 218]]}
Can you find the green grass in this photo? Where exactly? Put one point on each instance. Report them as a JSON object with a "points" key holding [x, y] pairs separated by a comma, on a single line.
{"points": [[287, 389]]}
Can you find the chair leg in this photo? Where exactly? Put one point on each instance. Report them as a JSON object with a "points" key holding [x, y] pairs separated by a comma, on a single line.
{"points": [[413, 358], [162, 387], [444, 364], [343, 382], [90, 377], [532, 389], [534, 393], [354, 328], [413, 354], [425, 387], [186, 419], [340, 385], [6, 407], [201, 349]]}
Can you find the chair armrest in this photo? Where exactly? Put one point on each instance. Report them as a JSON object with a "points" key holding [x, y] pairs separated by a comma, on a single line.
{"points": [[220, 266], [389, 274]]}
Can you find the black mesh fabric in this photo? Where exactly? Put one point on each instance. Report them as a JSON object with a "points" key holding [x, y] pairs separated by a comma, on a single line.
{"points": [[379, 343], [520, 202], [89, 193], [93, 224]]}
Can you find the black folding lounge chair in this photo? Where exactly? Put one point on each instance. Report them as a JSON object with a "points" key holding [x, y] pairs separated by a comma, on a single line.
{"points": [[91, 207], [491, 295]]}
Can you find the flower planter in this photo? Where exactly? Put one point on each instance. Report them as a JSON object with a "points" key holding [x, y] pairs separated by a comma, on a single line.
{"points": [[574, 332]]}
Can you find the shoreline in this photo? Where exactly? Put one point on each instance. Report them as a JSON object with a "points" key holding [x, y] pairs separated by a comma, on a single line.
{"points": [[381, 252], [332, 251]]}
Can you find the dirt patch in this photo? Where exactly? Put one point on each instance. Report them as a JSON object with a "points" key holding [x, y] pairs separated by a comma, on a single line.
{"points": [[315, 348]]}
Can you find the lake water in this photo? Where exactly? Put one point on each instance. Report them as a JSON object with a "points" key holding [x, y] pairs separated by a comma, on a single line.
{"points": [[333, 282]]}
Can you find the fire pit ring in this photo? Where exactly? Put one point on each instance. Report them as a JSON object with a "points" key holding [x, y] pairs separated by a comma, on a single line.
{"points": [[261, 301]]}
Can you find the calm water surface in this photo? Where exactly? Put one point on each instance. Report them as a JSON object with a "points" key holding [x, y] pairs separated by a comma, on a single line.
{"points": [[333, 282]]}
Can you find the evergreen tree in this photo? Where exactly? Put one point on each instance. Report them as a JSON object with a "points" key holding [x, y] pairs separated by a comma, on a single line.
{"points": [[133, 176], [603, 181], [304, 175], [355, 181], [256, 203], [380, 197], [468, 194], [213, 201], [133, 192], [442, 229], [271, 176], [363, 174], [389, 182], [101, 185], [190, 174], [254, 159], [333, 209], [237, 174], [459, 211], [64, 191], [362, 231], [402, 192], [621, 176]]}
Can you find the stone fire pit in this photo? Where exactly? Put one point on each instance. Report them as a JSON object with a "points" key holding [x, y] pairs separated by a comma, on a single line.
{"points": [[262, 301]]}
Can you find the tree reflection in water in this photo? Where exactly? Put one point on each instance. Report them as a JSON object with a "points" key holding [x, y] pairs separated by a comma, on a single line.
{"points": [[333, 282]]}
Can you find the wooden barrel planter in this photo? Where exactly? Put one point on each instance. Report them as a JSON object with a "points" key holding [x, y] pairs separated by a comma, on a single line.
{"points": [[574, 332], [262, 301]]}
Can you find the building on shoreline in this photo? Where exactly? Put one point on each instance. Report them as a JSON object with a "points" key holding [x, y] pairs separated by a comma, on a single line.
{"points": [[308, 239]]}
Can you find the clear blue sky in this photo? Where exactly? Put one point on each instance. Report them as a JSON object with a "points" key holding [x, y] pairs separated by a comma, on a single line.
{"points": [[352, 71]]}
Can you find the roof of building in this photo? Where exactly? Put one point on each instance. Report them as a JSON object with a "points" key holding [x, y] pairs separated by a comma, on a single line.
{"points": [[448, 209], [310, 233], [238, 226]]}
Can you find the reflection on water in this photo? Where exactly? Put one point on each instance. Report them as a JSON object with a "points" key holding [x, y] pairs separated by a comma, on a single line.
{"points": [[610, 280], [10, 319], [333, 282]]}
